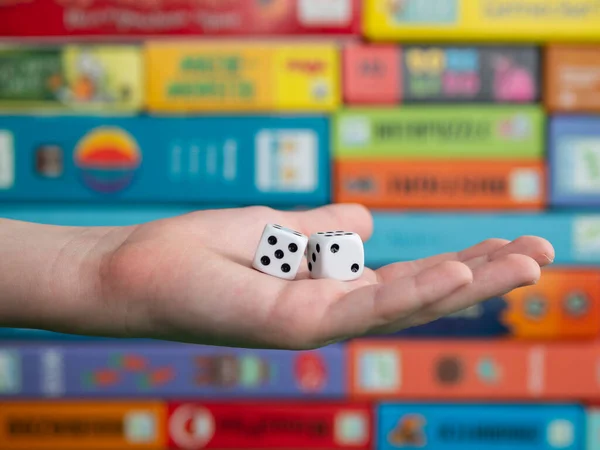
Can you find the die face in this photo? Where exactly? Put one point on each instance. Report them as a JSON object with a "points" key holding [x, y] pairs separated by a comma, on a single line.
{"points": [[338, 255], [280, 252]]}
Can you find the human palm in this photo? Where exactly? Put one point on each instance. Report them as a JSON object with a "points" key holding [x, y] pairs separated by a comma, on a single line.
{"points": [[190, 279]]}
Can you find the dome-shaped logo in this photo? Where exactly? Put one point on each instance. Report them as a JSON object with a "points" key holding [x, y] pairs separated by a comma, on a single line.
{"points": [[107, 159]]}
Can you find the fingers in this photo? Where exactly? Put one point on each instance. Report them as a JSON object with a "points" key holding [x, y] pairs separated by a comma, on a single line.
{"points": [[339, 216], [496, 278], [539, 249], [535, 247], [410, 268], [377, 305]]}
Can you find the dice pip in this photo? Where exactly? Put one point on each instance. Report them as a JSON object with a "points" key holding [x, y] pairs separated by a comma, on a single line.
{"points": [[280, 252], [336, 254]]}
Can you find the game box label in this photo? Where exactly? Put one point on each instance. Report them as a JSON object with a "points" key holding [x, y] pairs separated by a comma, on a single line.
{"points": [[218, 160], [482, 20], [470, 74], [409, 236], [281, 425], [441, 184], [572, 79], [564, 304], [385, 74], [185, 76], [132, 19], [574, 147], [372, 74], [469, 369], [477, 427], [82, 424], [74, 78], [441, 132], [150, 370]]}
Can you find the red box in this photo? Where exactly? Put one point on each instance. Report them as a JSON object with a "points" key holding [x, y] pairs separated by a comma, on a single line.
{"points": [[280, 425], [136, 18], [372, 74]]}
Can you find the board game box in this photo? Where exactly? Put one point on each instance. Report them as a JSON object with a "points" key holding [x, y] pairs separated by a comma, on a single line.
{"points": [[134, 19], [203, 160], [90, 78]]}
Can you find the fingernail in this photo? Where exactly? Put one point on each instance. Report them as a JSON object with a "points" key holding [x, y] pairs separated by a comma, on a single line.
{"points": [[550, 260]]}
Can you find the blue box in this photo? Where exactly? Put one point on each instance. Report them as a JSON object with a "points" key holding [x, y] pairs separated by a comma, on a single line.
{"points": [[481, 427], [574, 145], [593, 428], [405, 237], [241, 160], [168, 370]]}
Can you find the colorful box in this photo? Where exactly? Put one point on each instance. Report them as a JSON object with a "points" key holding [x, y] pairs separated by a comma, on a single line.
{"points": [[482, 20], [409, 236], [86, 78], [574, 149], [218, 160], [281, 425], [439, 370], [441, 184], [441, 132], [126, 18], [372, 74], [82, 424], [572, 79], [494, 73], [564, 304], [164, 370], [191, 76], [473, 369], [481, 427]]}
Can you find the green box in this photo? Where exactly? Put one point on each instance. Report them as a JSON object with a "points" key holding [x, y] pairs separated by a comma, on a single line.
{"points": [[453, 131], [72, 78]]}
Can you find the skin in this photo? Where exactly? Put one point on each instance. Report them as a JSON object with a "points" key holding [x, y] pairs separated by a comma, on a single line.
{"points": [[189, 279]]}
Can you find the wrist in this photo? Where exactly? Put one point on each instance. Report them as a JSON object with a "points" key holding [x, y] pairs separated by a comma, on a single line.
{"points": [[51, 277]]}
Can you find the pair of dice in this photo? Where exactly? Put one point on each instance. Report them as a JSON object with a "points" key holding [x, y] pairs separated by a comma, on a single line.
{"points": [[329, 254]]}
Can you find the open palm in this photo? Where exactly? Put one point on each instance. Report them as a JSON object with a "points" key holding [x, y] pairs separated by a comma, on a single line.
{"points": [[190, 279]]}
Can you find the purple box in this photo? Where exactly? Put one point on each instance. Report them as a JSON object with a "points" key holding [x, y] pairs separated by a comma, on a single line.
{"points": [[574, 144], [169, 370]]}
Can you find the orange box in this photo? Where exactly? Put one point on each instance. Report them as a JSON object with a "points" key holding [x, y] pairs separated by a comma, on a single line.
{"points": [[572, 79], [564, 304], [572, 372], [474, 370], [439, 369], [62, 425], [411, 184], [372, 74]]}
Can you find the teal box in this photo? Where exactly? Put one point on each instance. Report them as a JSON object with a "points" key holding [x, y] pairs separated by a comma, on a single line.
{"points": [[409, 236], [481, 427], [593, 428], [245, 160]]}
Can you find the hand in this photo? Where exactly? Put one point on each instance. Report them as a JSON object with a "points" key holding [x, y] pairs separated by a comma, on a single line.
{"points": [[190, 279]]}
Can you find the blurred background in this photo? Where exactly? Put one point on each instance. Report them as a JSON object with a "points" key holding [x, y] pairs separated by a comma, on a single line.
{"points": [[453, 120]]}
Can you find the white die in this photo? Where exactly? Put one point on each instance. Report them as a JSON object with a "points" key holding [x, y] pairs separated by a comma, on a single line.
{"points": [[280, 252], [336, 254]]}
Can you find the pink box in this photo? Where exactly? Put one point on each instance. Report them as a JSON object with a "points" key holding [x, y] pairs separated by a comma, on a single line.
{"points": [[372, 74]]}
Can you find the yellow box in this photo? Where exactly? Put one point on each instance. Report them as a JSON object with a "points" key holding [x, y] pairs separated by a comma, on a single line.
{"points": [[484, 20], [211, 76], [227, 76], [307, 78]]}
